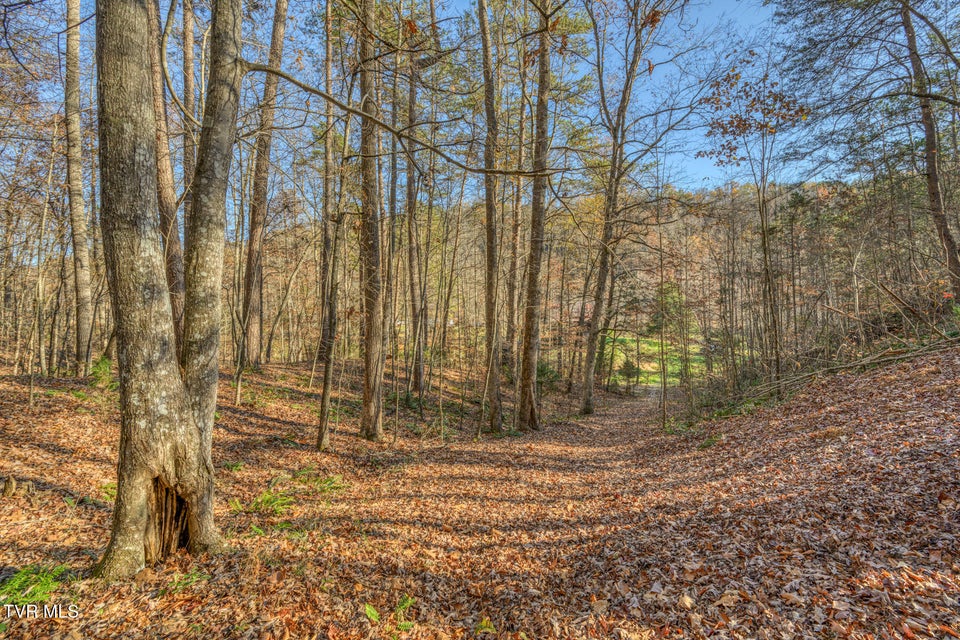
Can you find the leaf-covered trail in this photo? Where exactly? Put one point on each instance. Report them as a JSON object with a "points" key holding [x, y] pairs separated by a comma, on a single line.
{"points": [[833, 515]]}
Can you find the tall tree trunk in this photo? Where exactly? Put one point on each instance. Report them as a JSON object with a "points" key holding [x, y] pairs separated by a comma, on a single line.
{"points": [[772, 308], [371, 415], [330, 246], [615, 122], [78, 217], [166, 194], [189, 105], [253, 277], [931, 153], [529, 415], [603, 272], [492, 265], [514, 267], [607, 320], [165, 474], [417, 319]]}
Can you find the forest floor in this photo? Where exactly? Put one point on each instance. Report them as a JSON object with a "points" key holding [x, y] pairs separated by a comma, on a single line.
{"points": [[834, 514]]}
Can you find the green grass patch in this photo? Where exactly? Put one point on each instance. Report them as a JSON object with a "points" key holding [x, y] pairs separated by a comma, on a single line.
{"points": [[321, 484], [272, 502], [184, 581], [109, 491], [269, 502], [637, 361], [101, 374], [31, 585], [710, 441]]}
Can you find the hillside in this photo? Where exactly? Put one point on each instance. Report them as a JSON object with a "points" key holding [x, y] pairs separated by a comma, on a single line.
{"points": [[832, 515]]}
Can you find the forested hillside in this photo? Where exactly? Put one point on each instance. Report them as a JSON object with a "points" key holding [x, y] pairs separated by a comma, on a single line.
{"points": [[832, 515], [291, 290]]}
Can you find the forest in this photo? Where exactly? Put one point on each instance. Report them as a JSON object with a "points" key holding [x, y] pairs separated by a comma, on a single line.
{"points": [[477, 318]]}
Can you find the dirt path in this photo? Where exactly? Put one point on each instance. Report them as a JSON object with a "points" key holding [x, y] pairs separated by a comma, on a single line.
{"points": [[834, 515]]}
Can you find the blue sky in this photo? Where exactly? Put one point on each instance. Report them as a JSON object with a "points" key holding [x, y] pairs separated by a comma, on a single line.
{"points": [[745, 19], [738, 19]]}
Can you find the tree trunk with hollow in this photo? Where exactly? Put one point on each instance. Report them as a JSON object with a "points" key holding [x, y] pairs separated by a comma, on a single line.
{"points": [[165, 473]]}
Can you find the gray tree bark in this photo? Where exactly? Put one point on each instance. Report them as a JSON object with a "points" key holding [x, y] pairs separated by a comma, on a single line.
{"points": [[78, 217], [931, 154], [417, 319], [189, 104], [371, 414], [528, 416], [331, 239], [165, 473], [166, 193], [492, 266], [253, 275]]}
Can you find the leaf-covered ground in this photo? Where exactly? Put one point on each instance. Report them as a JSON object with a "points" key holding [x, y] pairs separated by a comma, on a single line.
{"points": [[832, 515]]}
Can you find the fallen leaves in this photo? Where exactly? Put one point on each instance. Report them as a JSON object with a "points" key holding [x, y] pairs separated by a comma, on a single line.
{"points": [[834, 514], [728, 599]]}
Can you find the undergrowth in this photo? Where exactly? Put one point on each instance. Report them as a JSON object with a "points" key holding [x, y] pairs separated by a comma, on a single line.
{"points": [[31, 585]]}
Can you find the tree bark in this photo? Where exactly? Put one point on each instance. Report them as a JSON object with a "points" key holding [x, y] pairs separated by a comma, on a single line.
{"points": [[78, 217], [253, 276], [529, 415], [514, 266], [931, 153], [603, 272], [417, 320], [328, 333], [165, 474], [371, 414], [492, 266], [189, 105], [166, 194], [770, 298]]}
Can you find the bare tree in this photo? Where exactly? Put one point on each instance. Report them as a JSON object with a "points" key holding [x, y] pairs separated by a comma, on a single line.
{"points": [[166, 192], [331, 245], [529, 412], [931, 150], [371, 416], [78, 216], [641, 23], [165, 474], [492, 263], [253, 276]]}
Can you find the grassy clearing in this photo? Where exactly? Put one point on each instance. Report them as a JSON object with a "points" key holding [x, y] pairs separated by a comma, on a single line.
{"points": [[637, 361]]}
